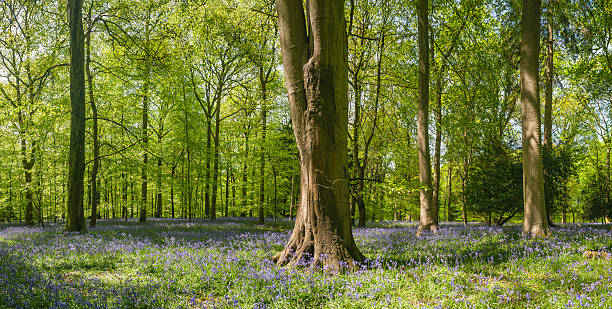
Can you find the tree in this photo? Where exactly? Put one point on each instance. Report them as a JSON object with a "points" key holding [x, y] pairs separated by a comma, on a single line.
{"points": [[316, 77], [547, 145], [26, 66], [76, 215], [494, 185], [535, 220], [429, 214]]}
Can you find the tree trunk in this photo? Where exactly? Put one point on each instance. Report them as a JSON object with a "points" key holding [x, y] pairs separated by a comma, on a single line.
{"points": [[262, 160], [535, 221], [245, 173], [28, 164], [172, 191], [76, 215], [449, 194], [466, 165], [436, 164], [227, 179], [207, 169], [428, 215], [133, 199], [316, 79], [94, 195], [124, 209], [215, 174], [145, 142], [188, 151], [291, 199], [563, 216], [233, 196], [275, 189], [548, 102], [158, 198]]}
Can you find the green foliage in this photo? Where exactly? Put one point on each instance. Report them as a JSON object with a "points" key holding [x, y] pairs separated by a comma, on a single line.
{"points": [[596, 195], [560, 167], [495, 183]]}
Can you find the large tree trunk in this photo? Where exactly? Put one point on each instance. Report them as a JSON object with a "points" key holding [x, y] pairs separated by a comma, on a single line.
{"points": [[76, 171], [428, 216], [316, 78], [535, 221]]}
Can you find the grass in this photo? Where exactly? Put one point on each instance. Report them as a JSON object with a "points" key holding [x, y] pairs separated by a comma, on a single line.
{"points": [[225, 264]]}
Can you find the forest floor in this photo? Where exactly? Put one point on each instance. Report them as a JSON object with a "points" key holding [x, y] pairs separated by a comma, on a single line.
{"points": [[224, 264]]}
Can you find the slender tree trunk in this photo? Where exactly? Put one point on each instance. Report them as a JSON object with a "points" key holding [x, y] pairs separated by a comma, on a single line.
{"points": [[173, 172], [207, 170], [466, 165], [215, 174], [188, 150], [563, 216], [317, 81], [133, 199], [158, 198], [428, 216], [233, 196], [76, 215], [124, 209], [449, 194], [535, 221], [262, 160], [145, 143], [436, 164], [245, 173], [291, 199], [227, 178], [275, 193], [94, 195], [548, 102]]}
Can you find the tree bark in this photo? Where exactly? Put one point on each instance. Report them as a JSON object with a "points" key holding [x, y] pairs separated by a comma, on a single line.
{"points": [[95, 196], [145, 142], [215, 174], [227, 179], [207, 170], [317, 80], [28, 164], [428, 215], [436, 176], [449, 194], [262, 160], [245, 173], [173, 172], [76, 171], [548, 102], [124, 209], [535, 220]]}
